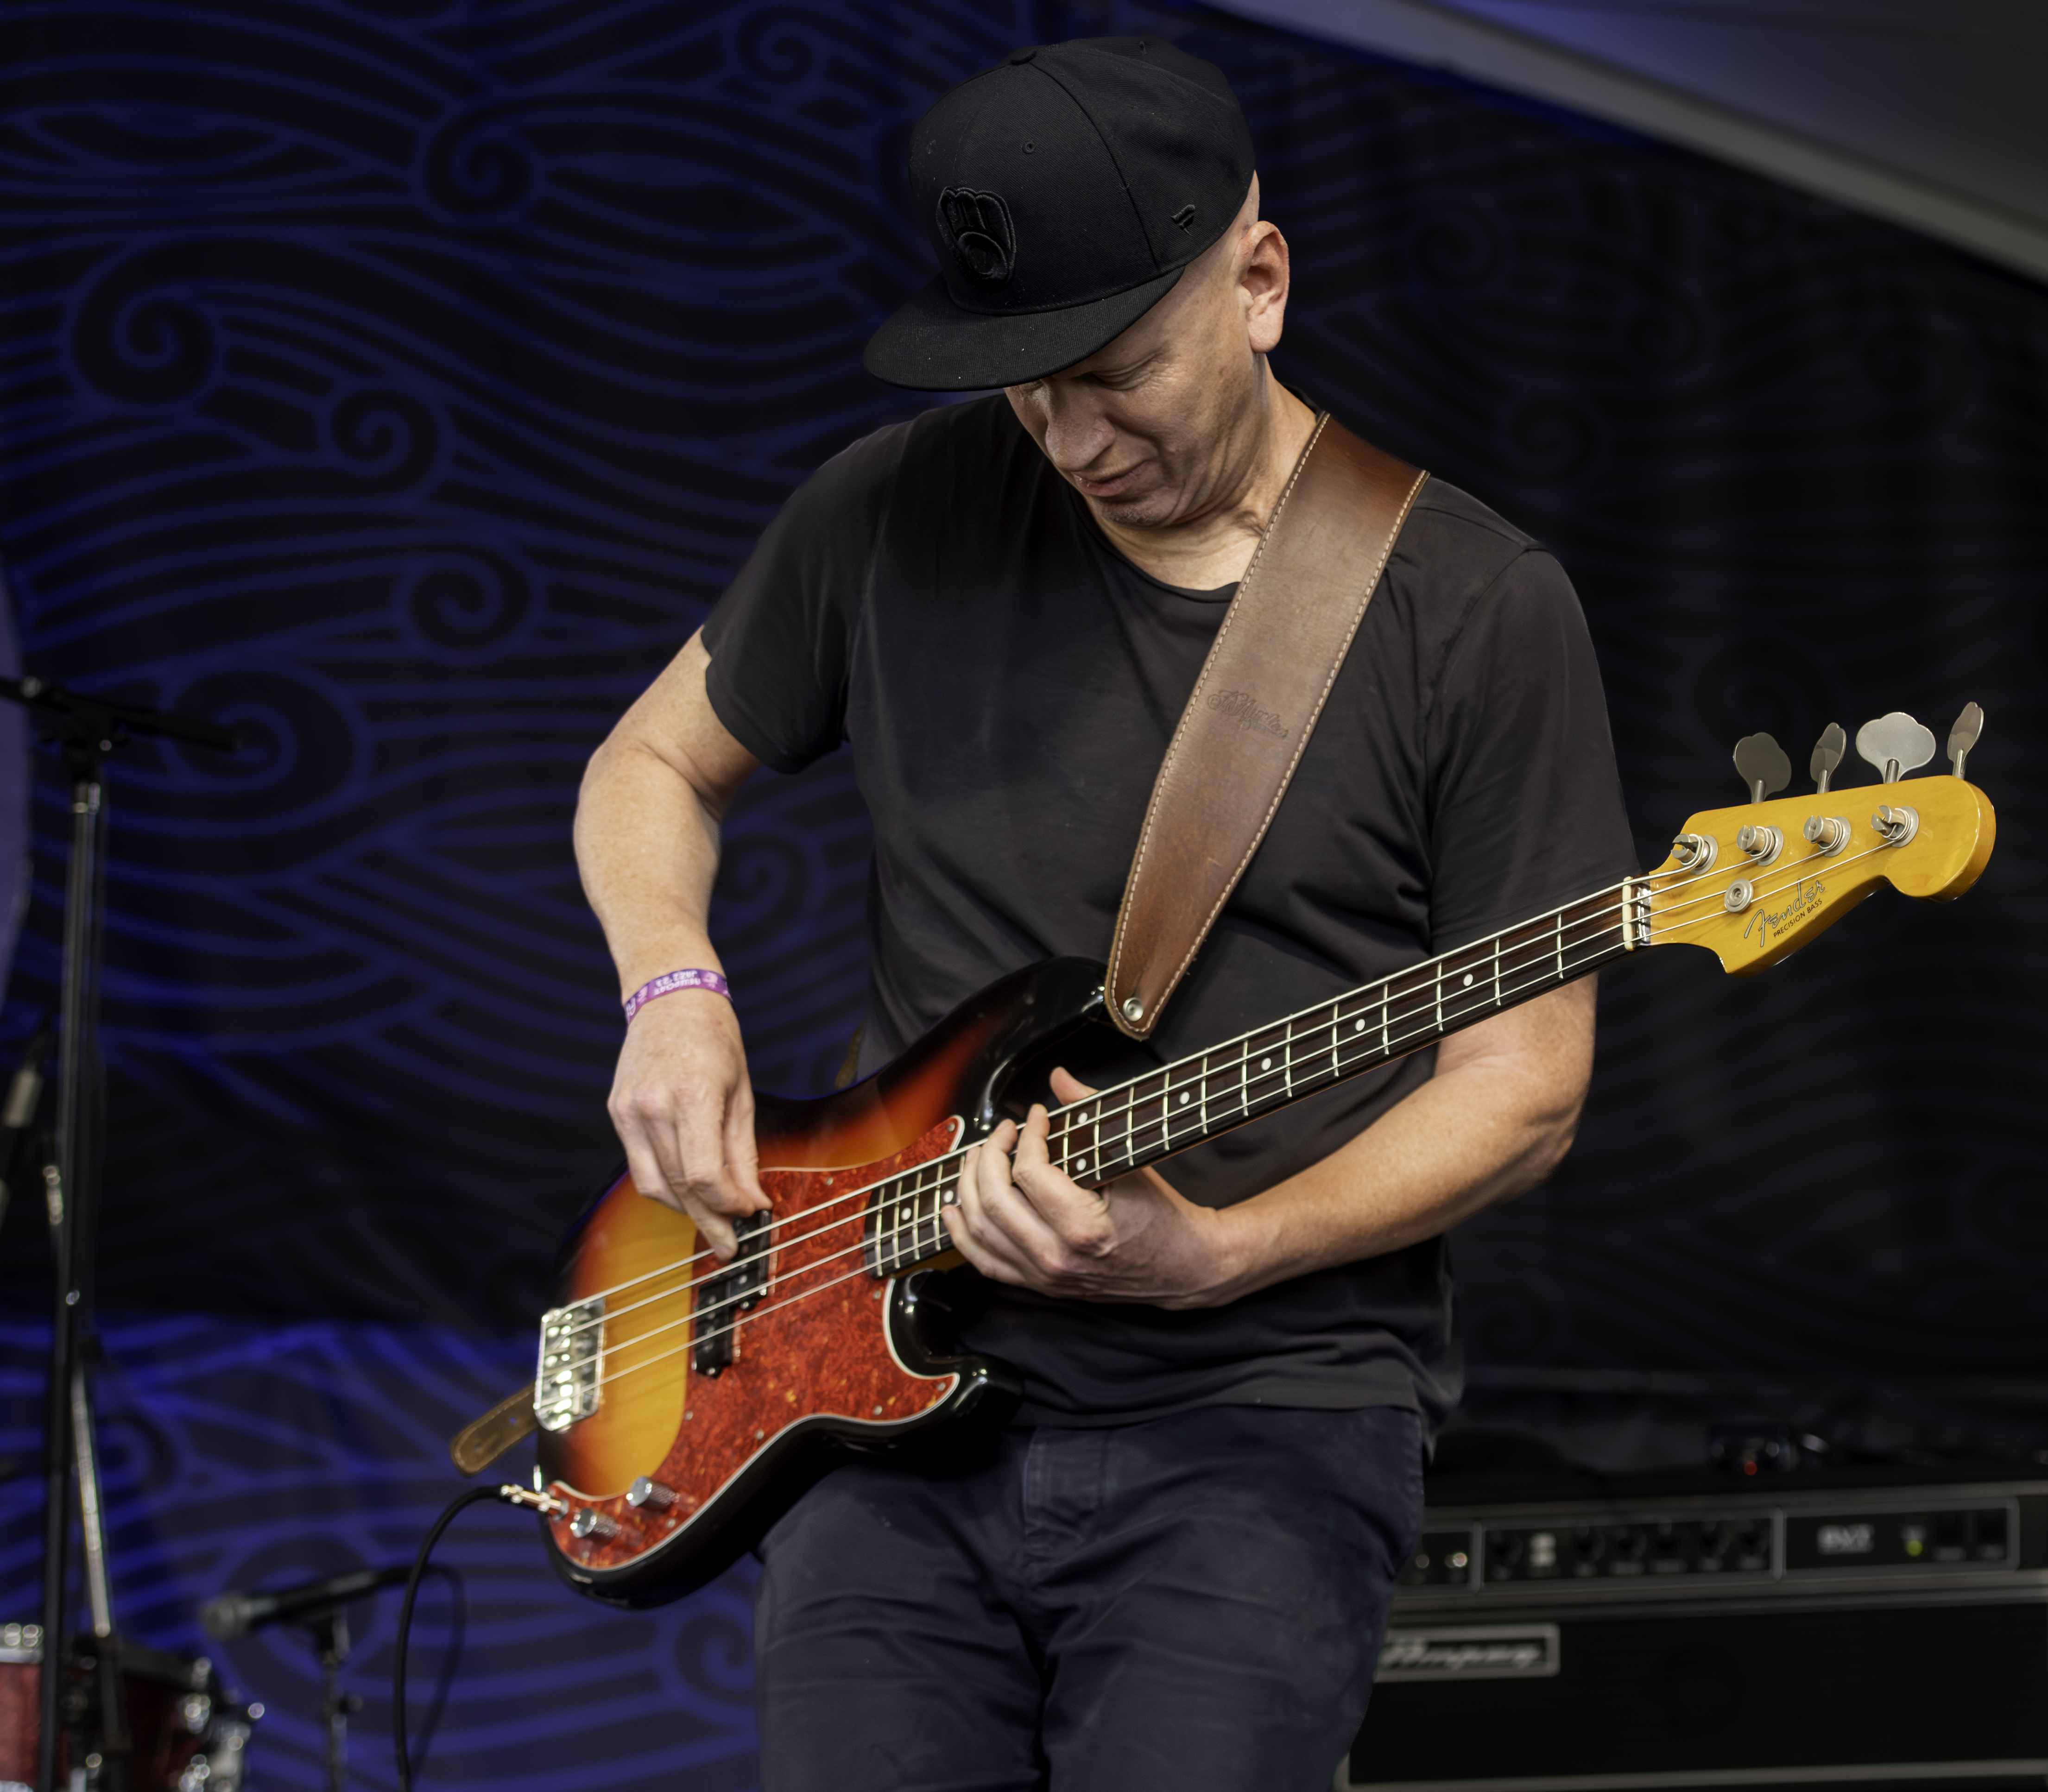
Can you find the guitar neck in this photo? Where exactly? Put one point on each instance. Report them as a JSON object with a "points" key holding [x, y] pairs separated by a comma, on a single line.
{"points": [[1119, 1129]]}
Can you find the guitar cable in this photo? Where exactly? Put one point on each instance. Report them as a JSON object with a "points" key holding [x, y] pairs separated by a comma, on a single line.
{"points": [[510, 1493]]}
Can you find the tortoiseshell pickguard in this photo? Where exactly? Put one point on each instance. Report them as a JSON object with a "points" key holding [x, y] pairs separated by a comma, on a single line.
{"points": [[824, 1355]]}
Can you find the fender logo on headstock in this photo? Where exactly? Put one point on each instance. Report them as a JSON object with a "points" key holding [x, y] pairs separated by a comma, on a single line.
{"points": [[1806, 897]]}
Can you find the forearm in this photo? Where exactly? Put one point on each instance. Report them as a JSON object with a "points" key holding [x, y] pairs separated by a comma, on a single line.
{"points": [[647, 849], [1496, 1119], [646, 843], [647, 828]]}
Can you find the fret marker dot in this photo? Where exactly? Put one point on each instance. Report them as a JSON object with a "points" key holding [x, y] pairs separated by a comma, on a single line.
{"points": [[1266, 1064], [1358, 1027], [1080, 1163], [1467, 980], [1183, 1098]]}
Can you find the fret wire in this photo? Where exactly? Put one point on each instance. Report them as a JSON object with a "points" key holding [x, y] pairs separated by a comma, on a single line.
{"points": [[926, 1205], [1598, 948], [1599, 943], [906, 1231], [1473, 1005]]}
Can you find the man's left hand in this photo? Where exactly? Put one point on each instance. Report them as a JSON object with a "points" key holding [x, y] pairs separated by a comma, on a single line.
{"points": [[1022, 1221]]}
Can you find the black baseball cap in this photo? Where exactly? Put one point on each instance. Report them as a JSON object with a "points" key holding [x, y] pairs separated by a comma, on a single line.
{"points": [[1065, 192]]}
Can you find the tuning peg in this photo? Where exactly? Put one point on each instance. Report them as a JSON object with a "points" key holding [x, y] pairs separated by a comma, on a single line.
{"points": [[1963, 736], [1828, 752], [1763, 765], [1895, 744]]}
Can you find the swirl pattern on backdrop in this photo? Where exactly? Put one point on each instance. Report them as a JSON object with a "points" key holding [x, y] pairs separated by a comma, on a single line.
{"points": [[402, 382], [408, 406]]}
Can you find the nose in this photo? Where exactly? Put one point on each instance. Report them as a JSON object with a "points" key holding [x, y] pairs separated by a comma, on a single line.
{"points": [[1077, 434]]}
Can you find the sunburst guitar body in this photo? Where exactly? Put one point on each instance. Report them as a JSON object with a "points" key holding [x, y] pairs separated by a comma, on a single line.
{"points": [[693, 1402]]}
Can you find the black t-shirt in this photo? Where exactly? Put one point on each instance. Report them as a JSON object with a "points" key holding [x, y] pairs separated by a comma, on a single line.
{"points": [[937, 595]]}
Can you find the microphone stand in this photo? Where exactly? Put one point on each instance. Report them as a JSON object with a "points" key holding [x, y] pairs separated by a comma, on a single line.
{"points": [[89, 729], [320, 1609]]}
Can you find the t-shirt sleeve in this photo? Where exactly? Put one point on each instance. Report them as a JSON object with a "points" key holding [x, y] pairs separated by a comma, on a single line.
{"points": [[780, 639], [1525, 810]]}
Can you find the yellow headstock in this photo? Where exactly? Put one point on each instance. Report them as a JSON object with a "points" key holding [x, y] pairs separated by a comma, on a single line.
{"points": [[1751, 908]]}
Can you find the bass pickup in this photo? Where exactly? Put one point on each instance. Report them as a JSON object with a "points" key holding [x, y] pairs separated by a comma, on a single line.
{"points": [[722, 1298]]}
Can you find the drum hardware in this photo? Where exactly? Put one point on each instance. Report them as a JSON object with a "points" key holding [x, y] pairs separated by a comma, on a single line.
{"points": [[89, 729], [189, 1733]]}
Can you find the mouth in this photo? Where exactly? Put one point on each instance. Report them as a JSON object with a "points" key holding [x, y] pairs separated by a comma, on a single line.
{"points": [[1113, 485]]}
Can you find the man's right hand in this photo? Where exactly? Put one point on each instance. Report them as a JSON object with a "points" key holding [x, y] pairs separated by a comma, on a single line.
{"points": [[684, 1108]]}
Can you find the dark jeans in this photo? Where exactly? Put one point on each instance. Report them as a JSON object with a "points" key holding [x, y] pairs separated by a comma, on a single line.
{"points": [[1195, 1604]]}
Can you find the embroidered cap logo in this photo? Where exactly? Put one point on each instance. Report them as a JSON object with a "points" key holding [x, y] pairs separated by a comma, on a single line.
{"points": [[976, 227]]}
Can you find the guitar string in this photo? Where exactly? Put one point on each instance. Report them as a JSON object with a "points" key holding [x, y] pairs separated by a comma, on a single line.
{"points": [[885, 1242], [1066, 1123], [1815, 856], [1764, 895], [1068, 1120], [1547, 949], [744, 1318], [877, 1240], [881, 1242], [1387, 995]]}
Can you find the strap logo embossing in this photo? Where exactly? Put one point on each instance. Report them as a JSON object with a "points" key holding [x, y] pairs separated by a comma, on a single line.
{"points": [[1250, 718]]}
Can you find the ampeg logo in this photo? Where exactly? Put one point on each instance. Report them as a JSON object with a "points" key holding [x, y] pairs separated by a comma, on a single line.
{"points": [[976, 227], [1471, 1652]]}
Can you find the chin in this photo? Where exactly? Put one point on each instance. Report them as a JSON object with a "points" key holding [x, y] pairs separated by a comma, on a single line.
{"points": [[1150, 510]]}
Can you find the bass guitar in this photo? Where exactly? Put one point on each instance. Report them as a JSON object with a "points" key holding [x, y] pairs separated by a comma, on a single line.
{"points": [[682, 1403]]}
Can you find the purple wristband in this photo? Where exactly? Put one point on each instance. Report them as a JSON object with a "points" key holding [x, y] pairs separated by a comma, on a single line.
{"points": [[669, 981]]}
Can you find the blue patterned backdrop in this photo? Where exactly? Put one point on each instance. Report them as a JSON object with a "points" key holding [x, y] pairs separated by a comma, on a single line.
{"points": [[402, 380]]}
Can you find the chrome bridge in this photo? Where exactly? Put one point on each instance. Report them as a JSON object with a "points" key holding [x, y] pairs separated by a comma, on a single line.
{"points": [[567, 1384]]}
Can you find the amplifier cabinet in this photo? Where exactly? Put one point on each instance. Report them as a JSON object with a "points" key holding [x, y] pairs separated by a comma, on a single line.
{"points": [[1892, 1637]]}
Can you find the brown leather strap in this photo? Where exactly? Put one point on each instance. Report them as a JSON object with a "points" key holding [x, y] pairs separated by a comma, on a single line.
{"points": [[482, 1441], [1261, 690]]}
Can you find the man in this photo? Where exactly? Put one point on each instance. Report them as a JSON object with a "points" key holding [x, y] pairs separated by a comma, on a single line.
{"points": [[1172, 1569]]}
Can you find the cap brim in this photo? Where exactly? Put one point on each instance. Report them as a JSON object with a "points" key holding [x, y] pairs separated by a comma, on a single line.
{"points": [[931, 345]]}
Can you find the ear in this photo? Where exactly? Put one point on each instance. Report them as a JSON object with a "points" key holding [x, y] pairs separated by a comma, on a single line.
{"points": [[1263, 287]]}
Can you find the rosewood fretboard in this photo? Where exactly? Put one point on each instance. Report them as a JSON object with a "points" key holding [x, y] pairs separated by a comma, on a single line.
{"points": [[1119, 1129]]}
